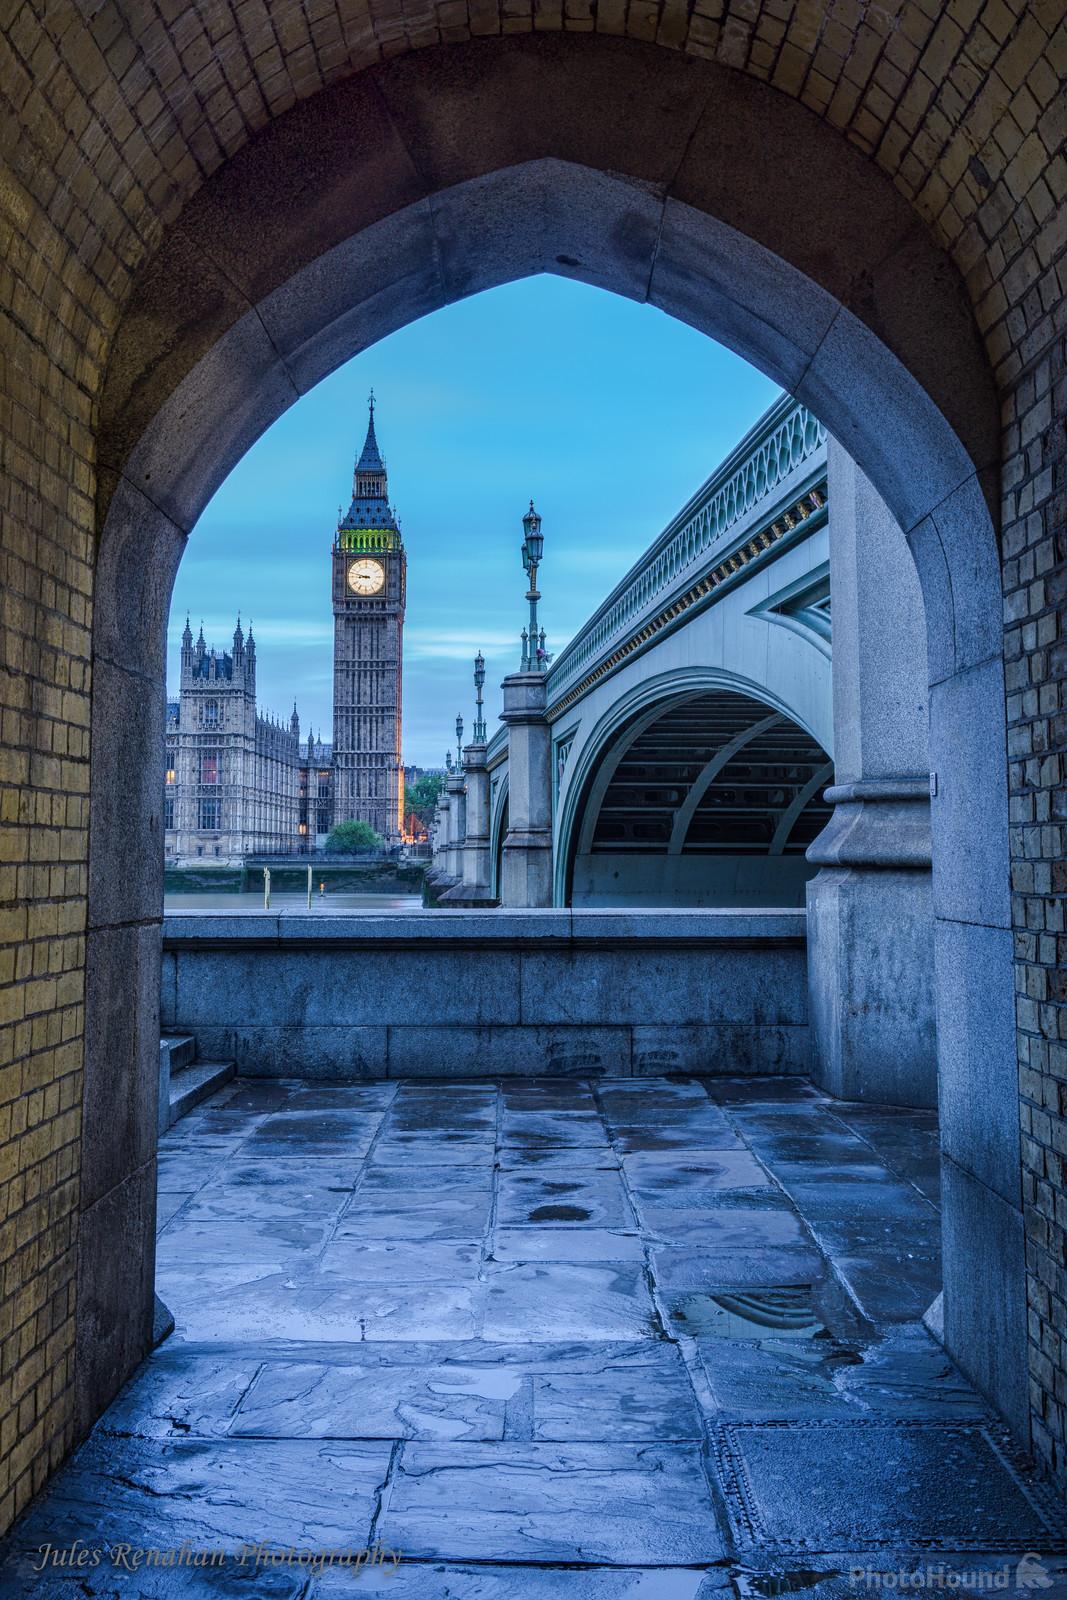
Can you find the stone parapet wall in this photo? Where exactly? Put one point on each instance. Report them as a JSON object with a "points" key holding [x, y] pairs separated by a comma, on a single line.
{"points": [[504, 993]]}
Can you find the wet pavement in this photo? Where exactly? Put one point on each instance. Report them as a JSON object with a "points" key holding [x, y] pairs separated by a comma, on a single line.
{"points": [[634, 1340]]}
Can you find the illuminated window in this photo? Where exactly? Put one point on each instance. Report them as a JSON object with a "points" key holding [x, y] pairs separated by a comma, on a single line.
{"points": [[209, 766]]}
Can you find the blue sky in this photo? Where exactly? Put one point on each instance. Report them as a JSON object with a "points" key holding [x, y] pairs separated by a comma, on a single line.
{"points": [[610, 414]]}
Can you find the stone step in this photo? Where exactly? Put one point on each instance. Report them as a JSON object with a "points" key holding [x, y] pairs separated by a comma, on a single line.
{"points": [[196, 1083], [182, 1050]]}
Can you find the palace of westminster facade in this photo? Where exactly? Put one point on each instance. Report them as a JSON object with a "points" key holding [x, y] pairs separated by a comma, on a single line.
{"points": [[239, 783]]}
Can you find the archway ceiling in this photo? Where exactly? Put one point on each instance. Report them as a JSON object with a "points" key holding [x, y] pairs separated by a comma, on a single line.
{"points": [[140, 103], [644, 170]]}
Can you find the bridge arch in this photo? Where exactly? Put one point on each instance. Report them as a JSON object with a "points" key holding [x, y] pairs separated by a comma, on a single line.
{"points": [[658, 176], [592, 765], [498, 827]]}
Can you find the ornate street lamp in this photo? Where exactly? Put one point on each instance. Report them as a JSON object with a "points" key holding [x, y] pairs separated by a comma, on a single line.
{"points": [[479, 682], [448, 761], [534, 658], [459, 741]]}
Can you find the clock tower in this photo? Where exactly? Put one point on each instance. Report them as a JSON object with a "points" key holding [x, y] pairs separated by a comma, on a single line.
{"points": [[369, 586]]}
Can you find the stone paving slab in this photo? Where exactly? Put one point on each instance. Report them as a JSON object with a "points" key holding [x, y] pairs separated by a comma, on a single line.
{"points": [[567, 1244], [324, 1133], [253, 1244], [580, 1393], [110, 1581], [218, 1494], [548, 1094], [725, 1230], [689, 1177], [554, 1301], [341, 1096], [181, 1391], [790, 1379], [437, 1581], [395, 1174], [180, 1170], [414, 1151], [820, 1151], [692, 1134], [283, 1306], [677, 1267], [878, 1233], [595, 1503], [385, 1261], [531, 1157], [168, 1204], [563, 1197], [416, 1214], [891, 1285], [758, 1091], [557, 1128], [234, 1194]]}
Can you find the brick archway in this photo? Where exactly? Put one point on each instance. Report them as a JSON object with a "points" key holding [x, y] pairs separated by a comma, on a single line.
{"points": [[428, 176], [376, 202]]}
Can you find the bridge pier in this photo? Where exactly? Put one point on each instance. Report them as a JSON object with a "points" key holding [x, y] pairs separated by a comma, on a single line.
{"points": [[438, 873], [455, 787], [526, 860], [472, 853], [870, 912]]}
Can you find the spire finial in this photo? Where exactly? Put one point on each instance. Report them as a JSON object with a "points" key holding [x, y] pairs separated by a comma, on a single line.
{"points": [[370, 402]]}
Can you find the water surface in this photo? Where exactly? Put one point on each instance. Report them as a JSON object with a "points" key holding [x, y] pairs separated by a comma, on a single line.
{"points": [[348, 901]]}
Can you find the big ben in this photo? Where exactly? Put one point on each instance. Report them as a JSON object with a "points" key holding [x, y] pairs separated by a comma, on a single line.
{"points": [[369, 583]]}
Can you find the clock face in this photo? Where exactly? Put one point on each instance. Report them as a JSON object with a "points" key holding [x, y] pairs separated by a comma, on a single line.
{"points": [[365, 576]]}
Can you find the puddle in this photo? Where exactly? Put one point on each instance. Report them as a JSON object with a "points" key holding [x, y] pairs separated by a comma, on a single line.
{"points": [[559, 1214], [785, 1313], [769, 1584]]}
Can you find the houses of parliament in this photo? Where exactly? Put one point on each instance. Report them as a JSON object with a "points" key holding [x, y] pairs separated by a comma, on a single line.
{"points": [[239, 783]]}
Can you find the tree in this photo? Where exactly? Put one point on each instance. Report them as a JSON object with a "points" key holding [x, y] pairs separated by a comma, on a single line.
{"points": [[421, 797], [348, 838]]}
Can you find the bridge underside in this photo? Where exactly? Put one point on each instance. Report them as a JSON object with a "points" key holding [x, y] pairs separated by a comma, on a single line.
{"points": [[712, 802]]}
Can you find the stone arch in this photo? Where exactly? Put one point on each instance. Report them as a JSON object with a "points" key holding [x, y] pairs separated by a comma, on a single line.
{"points": [[591, 767], [665, 178], [498, 827]]}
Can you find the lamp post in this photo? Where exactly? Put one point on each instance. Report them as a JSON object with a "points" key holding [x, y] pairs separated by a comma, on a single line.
{"points": [[459, 741], [479, 683], [533, 545]]}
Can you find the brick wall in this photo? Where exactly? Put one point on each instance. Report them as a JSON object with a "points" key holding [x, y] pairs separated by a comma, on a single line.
{"points": [[112, 115], [1035, 584]]}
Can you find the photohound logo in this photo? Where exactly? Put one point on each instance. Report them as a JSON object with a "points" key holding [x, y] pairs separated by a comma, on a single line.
{"points": [[1026, 1576], [1031, 1573]]}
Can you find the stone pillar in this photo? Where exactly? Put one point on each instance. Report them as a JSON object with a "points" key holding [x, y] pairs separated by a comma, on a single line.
{"points": [[526, 863], [456, 788], [870, 913], [439, 865], [473, 888]]}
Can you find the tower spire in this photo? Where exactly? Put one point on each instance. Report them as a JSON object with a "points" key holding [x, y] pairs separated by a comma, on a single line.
{"points": [[370, 462]]}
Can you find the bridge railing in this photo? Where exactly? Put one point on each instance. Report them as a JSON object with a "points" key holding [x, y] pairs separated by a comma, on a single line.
{"points": [[746, 488]]}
